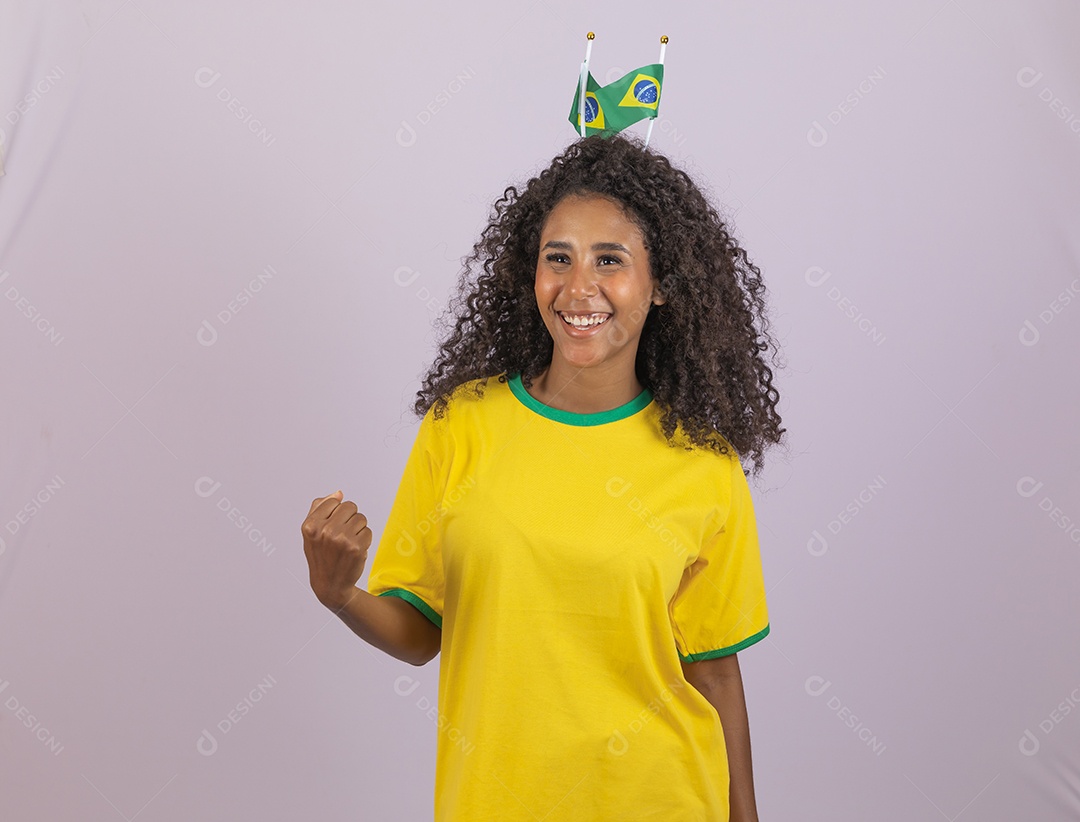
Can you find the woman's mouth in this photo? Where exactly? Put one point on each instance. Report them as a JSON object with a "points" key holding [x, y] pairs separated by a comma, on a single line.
{"points": [[582, 325]]}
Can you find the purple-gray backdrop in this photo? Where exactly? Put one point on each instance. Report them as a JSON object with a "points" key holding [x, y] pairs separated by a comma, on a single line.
{"points": [[225, 230]]}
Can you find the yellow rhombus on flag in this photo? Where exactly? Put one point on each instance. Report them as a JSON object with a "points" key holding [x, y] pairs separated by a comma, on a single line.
{"points": [[611, 108]]}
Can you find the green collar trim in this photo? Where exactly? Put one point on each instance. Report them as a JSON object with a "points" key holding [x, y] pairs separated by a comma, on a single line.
{"points": [[573, 418]]}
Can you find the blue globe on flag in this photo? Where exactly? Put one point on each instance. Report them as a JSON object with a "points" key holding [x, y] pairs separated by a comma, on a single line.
{"points": [[645, 92], [591, 109]]}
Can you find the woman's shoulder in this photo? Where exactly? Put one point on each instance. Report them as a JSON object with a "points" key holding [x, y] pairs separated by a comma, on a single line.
{"points": [[475, 391], [709, 444], [468, 398]]}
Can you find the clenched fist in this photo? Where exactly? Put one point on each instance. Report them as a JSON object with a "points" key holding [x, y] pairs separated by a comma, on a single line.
{"points": [[336, 542]]}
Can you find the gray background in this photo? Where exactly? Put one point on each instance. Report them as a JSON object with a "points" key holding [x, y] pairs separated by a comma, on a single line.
{"points": [[228, 316]]}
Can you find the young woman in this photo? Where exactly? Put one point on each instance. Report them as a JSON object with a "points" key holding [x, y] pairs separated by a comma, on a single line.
{"points": [[574, 530]]}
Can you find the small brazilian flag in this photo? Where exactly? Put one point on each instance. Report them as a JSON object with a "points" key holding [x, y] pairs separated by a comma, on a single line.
{"points": [[611, 108]]}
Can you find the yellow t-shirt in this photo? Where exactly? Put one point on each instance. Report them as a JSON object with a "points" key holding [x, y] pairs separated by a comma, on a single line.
{"points": [[571, 561]]}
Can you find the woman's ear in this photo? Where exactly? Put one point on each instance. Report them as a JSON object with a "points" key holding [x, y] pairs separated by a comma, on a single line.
{"points": [[658, 298]]}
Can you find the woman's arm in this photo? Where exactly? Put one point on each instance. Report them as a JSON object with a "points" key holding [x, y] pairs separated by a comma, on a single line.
{"points": [[720, 682], [336, 542], [391, 625]]}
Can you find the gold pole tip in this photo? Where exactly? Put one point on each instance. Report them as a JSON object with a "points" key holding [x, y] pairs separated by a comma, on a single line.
{"points": [[663, 38], [591, 36]]}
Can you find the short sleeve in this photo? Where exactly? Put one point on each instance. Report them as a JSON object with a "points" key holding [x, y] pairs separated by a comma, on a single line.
{"points": [[719, 607], [408, 557]]}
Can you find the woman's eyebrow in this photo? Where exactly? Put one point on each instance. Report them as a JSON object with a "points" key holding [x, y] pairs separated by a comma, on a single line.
{"points": [[561, 244]]}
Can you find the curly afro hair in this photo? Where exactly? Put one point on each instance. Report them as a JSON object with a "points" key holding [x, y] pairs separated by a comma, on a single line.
{"points": [[700, 353]]}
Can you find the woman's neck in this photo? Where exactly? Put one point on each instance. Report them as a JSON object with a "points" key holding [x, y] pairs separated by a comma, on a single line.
{"points": [[585, 390]]}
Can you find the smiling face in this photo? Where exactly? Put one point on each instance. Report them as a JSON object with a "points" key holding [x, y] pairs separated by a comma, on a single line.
{"points": [[593, 284]]}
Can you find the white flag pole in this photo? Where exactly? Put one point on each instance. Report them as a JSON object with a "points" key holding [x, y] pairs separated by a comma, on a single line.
{"points": [[584, 77], [663, 45]]}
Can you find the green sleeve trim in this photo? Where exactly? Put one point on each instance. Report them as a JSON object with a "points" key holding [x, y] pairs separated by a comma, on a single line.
{"points": [[731, 649], [413, 599]]}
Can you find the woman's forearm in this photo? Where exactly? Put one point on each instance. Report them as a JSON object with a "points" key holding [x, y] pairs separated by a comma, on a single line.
{"points": [[726, 695], [390, 624]]}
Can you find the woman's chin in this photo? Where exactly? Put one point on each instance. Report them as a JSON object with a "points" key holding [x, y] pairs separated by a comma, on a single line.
{"points": [[581, 357]]}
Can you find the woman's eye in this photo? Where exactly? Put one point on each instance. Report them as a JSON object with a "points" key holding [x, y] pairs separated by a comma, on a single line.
{"points": [[562, 259]]}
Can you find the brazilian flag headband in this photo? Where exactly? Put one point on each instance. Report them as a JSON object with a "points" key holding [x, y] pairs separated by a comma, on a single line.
{"points": [[611, 108]]}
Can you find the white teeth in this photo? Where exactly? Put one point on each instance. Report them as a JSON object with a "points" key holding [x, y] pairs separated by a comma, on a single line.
{"points": [[586, 321]]}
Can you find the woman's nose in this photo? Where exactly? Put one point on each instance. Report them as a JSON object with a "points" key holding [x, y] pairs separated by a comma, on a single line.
{"points": [[581, 281]]}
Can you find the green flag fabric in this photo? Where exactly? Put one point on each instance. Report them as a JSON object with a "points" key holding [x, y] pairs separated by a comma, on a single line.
{"points": [[611, 108]]}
